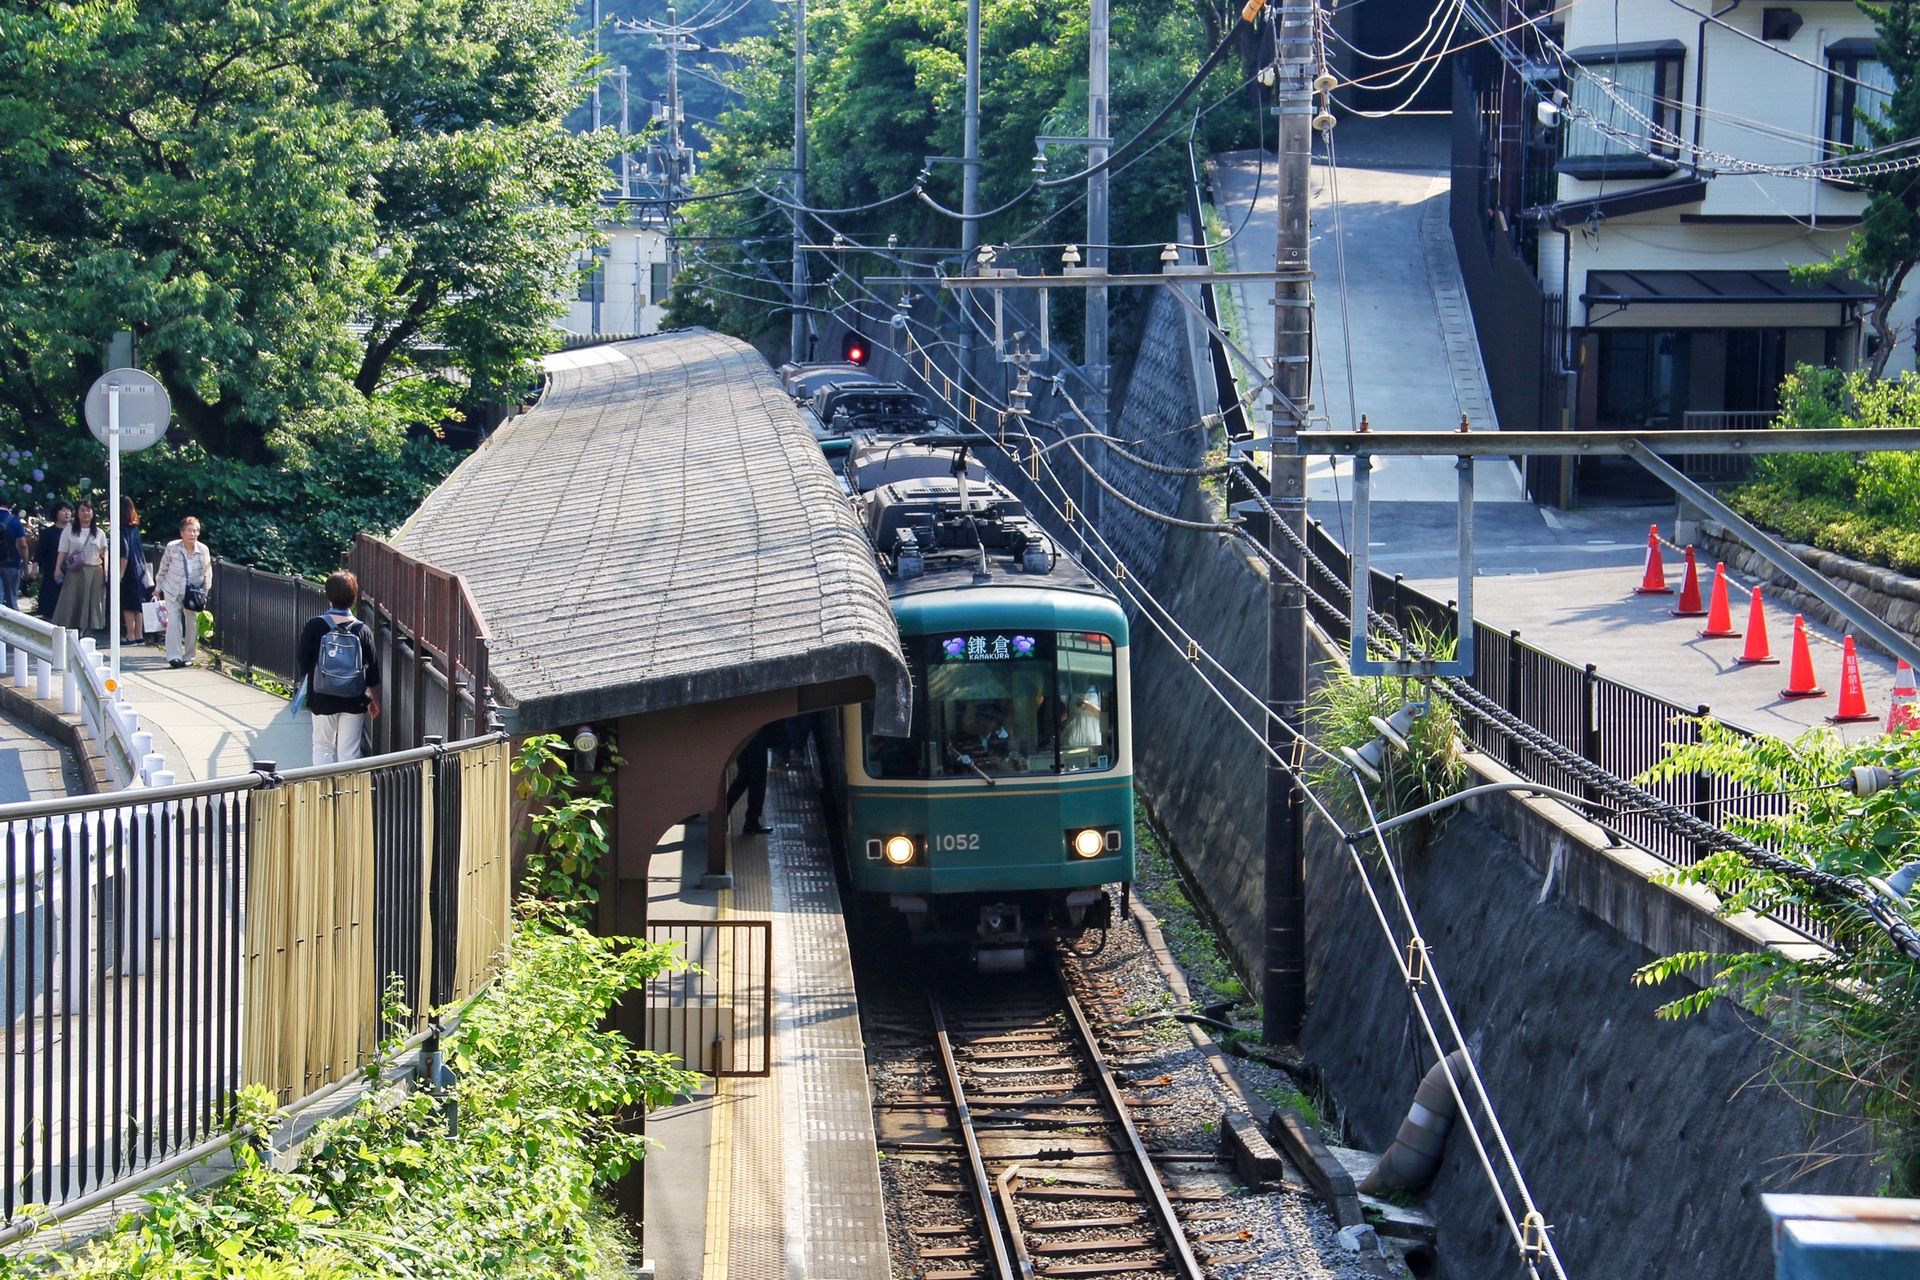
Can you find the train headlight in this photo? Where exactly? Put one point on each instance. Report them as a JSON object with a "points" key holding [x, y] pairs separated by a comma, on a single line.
{"points": [[899, 850], [1090, 843]]}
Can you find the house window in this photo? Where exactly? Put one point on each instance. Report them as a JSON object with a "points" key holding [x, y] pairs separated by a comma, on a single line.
{"points": [[1847, 101], [661, 284], [1626, 108], [590, 278]]}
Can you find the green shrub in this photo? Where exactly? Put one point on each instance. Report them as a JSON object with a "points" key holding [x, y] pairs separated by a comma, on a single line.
{"points": [[1861, 505], [1338, 715], [386, 1191]]}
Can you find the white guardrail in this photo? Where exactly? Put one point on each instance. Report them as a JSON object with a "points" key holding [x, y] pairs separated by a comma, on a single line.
{"points": [[38, 655]]}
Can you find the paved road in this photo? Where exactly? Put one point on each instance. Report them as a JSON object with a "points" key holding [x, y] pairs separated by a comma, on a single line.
{"points": [[1415, 363], [1565, 580], [33, 767], [211, 725]]}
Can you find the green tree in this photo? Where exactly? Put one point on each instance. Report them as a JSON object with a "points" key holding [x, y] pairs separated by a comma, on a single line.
{"points": [[315, 215], [885, 90], [1884, 249], [1846, 1019]]}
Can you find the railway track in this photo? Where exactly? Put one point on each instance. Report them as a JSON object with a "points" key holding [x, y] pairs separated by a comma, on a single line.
{"points": [[1029, 1155]]}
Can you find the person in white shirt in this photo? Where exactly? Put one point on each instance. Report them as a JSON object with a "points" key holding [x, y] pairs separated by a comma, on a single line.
{"points": [[185, 582], [1083, 720], [82, 574]]}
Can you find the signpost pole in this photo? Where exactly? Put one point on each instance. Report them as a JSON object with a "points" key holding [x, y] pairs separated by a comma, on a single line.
{"points": [[113, 543]]}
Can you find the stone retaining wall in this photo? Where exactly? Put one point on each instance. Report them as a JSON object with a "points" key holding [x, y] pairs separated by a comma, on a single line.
{"points": [[1892, 596]]}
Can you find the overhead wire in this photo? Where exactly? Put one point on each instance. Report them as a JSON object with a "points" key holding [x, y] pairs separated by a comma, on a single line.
{"points": [[1129, 585]]}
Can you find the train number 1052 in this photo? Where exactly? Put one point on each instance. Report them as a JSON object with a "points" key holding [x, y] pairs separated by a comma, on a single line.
{"points": [[956, 842]]}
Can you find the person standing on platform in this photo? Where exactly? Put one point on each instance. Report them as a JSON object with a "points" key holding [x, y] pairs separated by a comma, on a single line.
{"points": [[136, 580], [341, 672], [46, 556], [82, 575], [752, 777], [184, 582], [13, 556]]}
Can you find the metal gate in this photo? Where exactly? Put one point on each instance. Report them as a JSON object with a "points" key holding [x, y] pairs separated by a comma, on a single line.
{"points": [[717, 1015]]}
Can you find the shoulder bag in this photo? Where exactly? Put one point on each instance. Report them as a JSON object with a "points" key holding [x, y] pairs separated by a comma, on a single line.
{"points": [[194, 598]]}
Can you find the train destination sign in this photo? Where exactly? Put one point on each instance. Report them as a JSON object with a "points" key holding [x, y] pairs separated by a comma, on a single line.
{"points": [[988, 648]]}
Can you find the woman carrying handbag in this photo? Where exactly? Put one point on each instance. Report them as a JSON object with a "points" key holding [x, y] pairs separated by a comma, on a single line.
{"points": [[136, 583], [82, 574], [184, 581]]}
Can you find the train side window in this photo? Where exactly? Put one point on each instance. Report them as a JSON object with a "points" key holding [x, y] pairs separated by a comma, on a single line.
{"points": [[1088, 701]]}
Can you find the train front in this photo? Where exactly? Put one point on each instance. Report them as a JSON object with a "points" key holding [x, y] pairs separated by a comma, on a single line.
{"points": [[1004, 817]]}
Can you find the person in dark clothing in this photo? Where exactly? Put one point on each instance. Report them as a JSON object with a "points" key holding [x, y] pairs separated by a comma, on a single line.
{"points": [[752, 776], [136, 580], [342, 686], [13, 556], [46, 556]]}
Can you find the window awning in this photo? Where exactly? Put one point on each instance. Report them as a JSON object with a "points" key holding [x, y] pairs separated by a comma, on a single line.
{"points": [[1625, 288], [1618, 204]]}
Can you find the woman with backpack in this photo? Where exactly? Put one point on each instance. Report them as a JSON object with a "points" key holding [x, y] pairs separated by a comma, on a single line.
{"points": [[341, 673], [184, 581]]}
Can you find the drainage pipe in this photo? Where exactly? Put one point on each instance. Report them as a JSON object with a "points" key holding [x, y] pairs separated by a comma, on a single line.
{"points": [[1414, 1157]]}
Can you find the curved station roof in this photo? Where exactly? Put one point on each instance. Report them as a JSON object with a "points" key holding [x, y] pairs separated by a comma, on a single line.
{"points": [[661, 530]]}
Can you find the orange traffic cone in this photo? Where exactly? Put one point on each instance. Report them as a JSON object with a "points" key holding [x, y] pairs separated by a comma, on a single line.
{"points": [[1800, 679], [1719, 613], [1654, 581], [1689, 605], [1903, 711], [1853, 695], [1757, 650]]}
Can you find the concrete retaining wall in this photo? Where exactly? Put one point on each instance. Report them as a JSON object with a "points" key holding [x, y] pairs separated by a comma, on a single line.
{"points": [[1892, 596], [1646, 1143]]}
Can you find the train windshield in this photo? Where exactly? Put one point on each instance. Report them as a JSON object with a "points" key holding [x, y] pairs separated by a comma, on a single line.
{"points": [[1005, 703]]}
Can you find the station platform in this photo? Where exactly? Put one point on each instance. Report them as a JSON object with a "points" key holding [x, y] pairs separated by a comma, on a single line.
{"points": [[778, 1175]]}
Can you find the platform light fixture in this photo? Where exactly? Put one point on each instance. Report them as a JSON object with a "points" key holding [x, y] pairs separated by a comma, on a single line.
{"points": [[586, 750]]}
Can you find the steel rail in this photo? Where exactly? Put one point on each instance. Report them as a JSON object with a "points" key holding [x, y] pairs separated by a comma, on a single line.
{"points": [[1179, 1251], [983, 1186], [1539, 444], [253, 780]]}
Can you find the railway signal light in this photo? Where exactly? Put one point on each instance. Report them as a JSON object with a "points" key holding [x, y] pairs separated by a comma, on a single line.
{"points": [[855, 349]]}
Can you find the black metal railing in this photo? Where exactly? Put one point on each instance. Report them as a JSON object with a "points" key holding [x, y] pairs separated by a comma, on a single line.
{"points": [[257, 617], [717, 1016], [1619, 728], [159, 955]]}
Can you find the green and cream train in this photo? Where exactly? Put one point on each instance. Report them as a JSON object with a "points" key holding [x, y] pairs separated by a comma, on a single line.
{"points": [[1006, 815]]}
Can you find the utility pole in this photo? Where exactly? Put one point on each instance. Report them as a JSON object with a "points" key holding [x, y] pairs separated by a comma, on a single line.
{"points": [[799, 334], [970, 182], [1285, 977], [673, 37], [596, 65], [626, 154], [1099, 133]]}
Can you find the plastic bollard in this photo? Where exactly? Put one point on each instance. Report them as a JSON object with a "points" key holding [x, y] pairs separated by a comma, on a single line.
{"points": [[22, 668], [43, 679], [151, 762], [142, 743]]}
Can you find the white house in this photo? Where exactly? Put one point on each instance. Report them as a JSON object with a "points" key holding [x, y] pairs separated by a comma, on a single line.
{"points": [[624, 284], [1660, 273]]}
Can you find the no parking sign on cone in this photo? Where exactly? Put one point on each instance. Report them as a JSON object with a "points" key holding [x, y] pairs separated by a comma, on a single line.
{"points": [[1853, 695]]}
